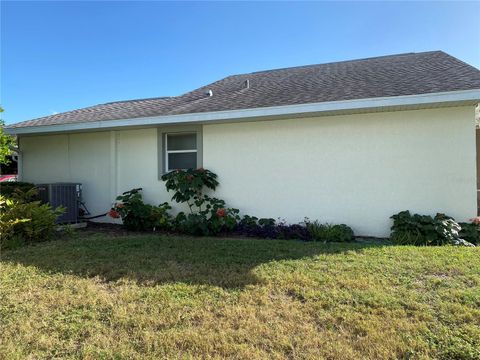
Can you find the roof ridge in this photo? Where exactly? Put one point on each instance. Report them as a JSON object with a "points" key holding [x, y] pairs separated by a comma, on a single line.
{"points": [[342, 61], [133, 100]]}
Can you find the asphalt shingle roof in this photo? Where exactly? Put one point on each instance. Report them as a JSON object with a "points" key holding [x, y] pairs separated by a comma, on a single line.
{"points": [[394, 75]]}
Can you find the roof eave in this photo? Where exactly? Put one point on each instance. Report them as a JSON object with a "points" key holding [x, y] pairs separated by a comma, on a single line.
{"points": [[451, 98]]}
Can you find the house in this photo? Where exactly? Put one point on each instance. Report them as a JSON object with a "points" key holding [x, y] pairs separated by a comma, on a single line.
{"points": [[348, 142]]}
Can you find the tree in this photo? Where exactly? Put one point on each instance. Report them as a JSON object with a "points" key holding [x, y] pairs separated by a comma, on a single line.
{"points": [[5, 142]]}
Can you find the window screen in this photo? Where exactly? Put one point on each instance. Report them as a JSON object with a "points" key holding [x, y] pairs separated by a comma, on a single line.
{"points": [[181, 151]]}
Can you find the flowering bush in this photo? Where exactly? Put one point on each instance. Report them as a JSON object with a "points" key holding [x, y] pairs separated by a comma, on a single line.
{"points": [[136, 215], [211, 218], [114, 213], [188, 185], [208, 215]]}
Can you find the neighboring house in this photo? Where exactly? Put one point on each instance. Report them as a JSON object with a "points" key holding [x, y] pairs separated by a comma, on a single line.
{"points": [[348, 142]]}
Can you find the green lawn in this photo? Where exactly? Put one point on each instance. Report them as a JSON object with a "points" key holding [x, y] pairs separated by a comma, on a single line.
{"points": [[153, 297]]}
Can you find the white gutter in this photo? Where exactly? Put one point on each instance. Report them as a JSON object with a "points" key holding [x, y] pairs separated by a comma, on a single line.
{"points": [[246, 114]]}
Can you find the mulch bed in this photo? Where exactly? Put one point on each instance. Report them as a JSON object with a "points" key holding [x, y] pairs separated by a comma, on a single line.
{"points": [[117, 230]]}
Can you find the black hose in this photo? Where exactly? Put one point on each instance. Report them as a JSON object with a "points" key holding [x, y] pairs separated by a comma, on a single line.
{"points": [[93, 217]]}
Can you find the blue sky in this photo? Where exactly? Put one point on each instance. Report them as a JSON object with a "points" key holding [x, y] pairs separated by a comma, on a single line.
{"points": [[58, 56]]}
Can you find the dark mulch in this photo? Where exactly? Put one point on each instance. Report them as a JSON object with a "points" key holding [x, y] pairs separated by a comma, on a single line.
{"points": [[108, 229], [117, 230]]}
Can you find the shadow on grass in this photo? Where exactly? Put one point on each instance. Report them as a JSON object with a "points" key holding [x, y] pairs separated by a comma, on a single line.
{"points": [[159, 259]]}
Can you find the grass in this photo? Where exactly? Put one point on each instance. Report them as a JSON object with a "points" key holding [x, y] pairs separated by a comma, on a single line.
{"points": [[154, 297]]}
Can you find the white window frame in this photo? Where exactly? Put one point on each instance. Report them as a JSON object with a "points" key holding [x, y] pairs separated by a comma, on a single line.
{"points": [[167, 152]]}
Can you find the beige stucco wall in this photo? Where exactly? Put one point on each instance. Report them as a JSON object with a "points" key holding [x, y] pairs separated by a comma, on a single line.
{"points": [[353, 169], [106, 163], [83, 158]]}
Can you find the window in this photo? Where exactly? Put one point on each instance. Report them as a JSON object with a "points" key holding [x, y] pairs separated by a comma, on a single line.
{"points": [[179, 147], [180, 151]]}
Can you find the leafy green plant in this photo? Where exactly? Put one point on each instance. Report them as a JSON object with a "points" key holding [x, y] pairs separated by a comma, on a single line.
{"points": [[266, 222], [8, 239], [341, 233], [329, 232], [25, 194], [5, 142], [188, 185], [208, 215], [212, 219], [268, 228], [29, 221], [425, 230], [9, 189], [470, 232], [220, 218], [192, 224], [138, 216], [248, 221]]}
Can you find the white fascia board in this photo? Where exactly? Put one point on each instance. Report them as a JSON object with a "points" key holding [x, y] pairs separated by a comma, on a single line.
{"points": [[264, 112]]}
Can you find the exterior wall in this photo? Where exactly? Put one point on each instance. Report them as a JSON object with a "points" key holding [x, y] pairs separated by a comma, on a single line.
{"points": [[353, 169], [82, 158], [137, 157], [106, 163]]}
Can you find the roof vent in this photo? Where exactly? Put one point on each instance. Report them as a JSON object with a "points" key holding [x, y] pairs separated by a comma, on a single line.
{"points": [[247, 84], [209, 93]]}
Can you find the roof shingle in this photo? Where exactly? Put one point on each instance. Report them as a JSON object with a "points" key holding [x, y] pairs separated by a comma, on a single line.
{"points": [[394, 75]]}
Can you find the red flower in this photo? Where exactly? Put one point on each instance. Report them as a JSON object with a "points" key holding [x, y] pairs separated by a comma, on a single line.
{"points": [[201, 169], [221, 212], [114, 214], [119, 206], [189, 177]]}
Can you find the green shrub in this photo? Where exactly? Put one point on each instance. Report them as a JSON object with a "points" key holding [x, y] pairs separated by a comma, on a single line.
{"points": [[7, 189], [470, 232], [329, 232], [211, 219], [188, 185], [208, 215], [266, 222], [192, 224], [42, 224], [24, 195], [424, 230], [250, 222], [138, 216], [27, 222], [268, 228], [8, 239], [341, 233]]}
